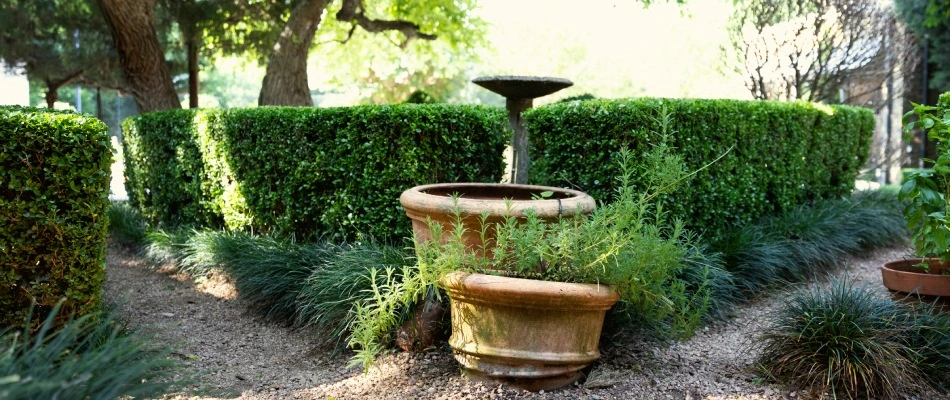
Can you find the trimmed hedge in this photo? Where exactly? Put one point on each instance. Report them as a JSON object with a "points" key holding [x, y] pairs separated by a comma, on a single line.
{"points": [[783, 154], [309, 173], [54, 194]]}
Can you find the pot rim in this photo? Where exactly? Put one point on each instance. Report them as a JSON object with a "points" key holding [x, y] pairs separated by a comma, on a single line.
{"points": [[889, 266], [417, 200], [528, 293], [920, 283]]}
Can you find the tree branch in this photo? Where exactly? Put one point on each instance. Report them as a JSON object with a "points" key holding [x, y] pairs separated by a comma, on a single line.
{"points": [[352, 11]]}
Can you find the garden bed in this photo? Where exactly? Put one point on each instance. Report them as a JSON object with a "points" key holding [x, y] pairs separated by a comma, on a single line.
{"points": [[245, 356]]}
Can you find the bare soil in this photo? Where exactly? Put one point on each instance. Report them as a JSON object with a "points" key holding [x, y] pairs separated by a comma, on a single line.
{"points": [[243, 356]]}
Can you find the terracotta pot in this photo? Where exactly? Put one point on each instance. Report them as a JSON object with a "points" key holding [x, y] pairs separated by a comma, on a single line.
{"points": [[530, 334], [903, 276], [435, 202]]}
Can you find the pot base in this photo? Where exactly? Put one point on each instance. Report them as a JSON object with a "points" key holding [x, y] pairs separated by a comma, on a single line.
{"points": [[529, 384]]}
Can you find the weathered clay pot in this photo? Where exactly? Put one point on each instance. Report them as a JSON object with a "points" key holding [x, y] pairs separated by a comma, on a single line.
{"points": [[435, 202], [531, 334], [903, 276]]}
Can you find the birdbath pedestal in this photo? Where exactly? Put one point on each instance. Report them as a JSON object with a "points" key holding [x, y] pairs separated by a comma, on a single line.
{"points": [[519, 93]]}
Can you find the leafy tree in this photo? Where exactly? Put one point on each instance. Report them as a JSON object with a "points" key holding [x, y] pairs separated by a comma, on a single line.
{"points": [[398, 21], [283, 31], [929, 20], [58, 42]]}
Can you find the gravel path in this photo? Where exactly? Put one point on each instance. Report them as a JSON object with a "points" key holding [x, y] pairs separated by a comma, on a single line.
{"points": [[246, 357]]}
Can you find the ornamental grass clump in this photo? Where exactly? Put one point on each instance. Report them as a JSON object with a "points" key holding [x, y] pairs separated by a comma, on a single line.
{"points": [[849, 342], [808, 240], [89, 357], [126, 224]]}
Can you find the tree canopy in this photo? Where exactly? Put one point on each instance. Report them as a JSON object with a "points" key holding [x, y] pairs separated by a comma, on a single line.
{"points": [[58, 42], [929, 20]]}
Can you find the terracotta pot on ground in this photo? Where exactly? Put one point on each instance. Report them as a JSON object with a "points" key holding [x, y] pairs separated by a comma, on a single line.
{"points": [[531, 334], [902, 276], [435, 202]]}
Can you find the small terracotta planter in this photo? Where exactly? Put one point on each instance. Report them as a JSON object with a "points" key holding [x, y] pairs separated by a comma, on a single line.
{"points": [[435, 202], [902, 276], [534, 335]]}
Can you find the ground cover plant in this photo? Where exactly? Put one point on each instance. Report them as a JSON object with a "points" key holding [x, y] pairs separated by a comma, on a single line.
{"points": [[94, 356], [311, 285], [317, 284], [849, 342]]}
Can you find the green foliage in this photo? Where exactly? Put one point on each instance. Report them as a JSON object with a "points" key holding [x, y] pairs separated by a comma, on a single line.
{"points": [[580, 97], [164, 169], [58, 41], [308, 173], [90, 357], [384, 67], [54, 187], [629, 244], [851, 343], [808, 241], [126, 225], [269, 273], [925, 192], [421, 97], [312, 285], [326, 300], [785, 154], [928, 20]]}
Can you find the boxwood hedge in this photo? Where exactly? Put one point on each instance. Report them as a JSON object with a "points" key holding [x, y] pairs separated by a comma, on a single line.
{"points": [[54, 193], [783, 153], [306, 172]]}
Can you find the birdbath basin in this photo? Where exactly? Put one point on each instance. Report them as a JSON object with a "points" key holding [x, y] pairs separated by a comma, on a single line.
{"points": [[519, 92], [522, 87]]}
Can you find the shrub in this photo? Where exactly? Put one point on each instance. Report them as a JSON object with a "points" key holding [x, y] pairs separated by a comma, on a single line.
{"points": [[325, 301], [782, 154], [306, 173], [89, 357], [54, 188], [850, 343], [164, 168]]}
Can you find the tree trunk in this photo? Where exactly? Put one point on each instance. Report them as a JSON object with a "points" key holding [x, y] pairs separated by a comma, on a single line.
{"points": [[52, 87], [133, 31], [192, 73], [51, 96], [285, 82]]}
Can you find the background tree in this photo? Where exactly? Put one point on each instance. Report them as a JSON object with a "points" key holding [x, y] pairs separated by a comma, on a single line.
{"points": [[929, 21], [400, 21], [244, 26], [811, 49], [58, 42], [132, 25]]}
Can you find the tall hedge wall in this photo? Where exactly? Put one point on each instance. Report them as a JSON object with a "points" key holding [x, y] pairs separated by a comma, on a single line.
{"points": [[783, 154], [307, 172], [54, 193]]}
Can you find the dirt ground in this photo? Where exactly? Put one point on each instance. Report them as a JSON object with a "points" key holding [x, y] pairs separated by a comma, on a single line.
{"points": [[242, 356]]}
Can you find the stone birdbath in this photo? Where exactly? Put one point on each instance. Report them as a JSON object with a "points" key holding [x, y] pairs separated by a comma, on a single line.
{"points": [[519, 91]]}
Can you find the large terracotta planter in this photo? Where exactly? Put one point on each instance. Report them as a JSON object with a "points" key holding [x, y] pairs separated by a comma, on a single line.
{"points": [[903, 276], [530, 334], [475, 199]]}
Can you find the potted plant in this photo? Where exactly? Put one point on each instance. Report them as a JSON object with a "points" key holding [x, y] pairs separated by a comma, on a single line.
{"points": [[927, 210], [529, 299]]}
